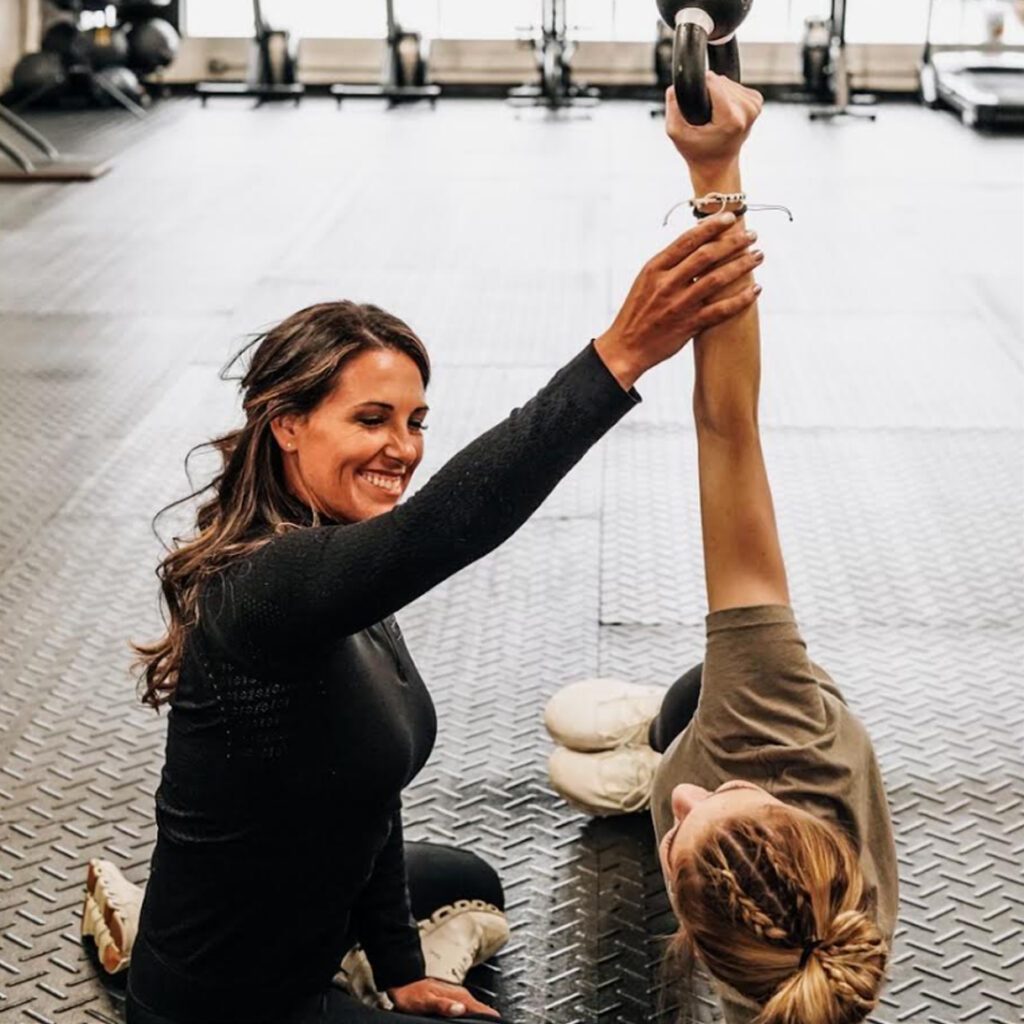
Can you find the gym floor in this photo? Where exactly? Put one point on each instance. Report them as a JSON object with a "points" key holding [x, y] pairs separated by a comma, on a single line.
{"points": [[892, 412]]}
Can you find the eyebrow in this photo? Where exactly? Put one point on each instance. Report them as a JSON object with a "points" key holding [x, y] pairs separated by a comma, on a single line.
{"points": [[391, 408]]}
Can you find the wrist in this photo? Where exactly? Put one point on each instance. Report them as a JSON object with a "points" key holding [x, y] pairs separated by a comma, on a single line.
{"points": [[723, 177], [617, 362]]}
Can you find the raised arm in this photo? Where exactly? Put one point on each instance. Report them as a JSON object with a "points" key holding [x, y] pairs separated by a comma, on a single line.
{"points": [[742, 558], [314, 584]]}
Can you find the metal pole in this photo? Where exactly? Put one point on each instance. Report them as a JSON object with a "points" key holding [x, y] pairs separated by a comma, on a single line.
{"points": [[40, 141]]}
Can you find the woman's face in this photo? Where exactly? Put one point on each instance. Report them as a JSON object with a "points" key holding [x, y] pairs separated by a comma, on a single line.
{"points": [[698, 810], [353, 456]]}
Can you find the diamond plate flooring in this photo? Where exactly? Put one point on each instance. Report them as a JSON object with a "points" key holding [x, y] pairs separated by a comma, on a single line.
{"points": [[893, 405]]}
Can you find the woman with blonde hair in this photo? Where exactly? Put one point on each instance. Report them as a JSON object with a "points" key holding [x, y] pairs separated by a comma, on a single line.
{"points": [[773, 828]]}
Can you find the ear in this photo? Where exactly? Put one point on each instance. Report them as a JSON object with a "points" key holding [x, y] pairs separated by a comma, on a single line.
{"points": [[285, 430]]}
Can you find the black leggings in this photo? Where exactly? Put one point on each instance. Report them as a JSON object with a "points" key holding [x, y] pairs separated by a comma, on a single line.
{"points": [[677, 709], [438, 875]]}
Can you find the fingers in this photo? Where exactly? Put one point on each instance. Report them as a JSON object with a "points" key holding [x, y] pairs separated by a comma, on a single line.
{"points": [[690, 241], [715, 313], [726, 88], [475, 1006], [720, 87], [449, 1000], [722, 249], [724, 275], [460, 1007]]}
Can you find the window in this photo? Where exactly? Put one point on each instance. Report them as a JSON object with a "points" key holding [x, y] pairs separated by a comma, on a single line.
{"points": [[354, 19], [867, 21], [627, 20]]}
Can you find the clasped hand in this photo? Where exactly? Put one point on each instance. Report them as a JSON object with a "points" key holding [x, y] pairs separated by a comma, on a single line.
{"points": [[684, 289], [734, 109]]}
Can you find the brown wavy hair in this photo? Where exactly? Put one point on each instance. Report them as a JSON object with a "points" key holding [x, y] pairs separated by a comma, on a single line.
{"points": [[775, 907], [291, 369]]}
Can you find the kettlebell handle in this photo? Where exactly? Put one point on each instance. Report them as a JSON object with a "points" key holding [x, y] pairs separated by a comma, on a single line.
{"points": [[692, 54]]}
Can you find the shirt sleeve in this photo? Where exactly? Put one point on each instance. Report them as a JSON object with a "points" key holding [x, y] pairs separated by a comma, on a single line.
{"points": [[383, 920], [759, 689], [315, 584]]}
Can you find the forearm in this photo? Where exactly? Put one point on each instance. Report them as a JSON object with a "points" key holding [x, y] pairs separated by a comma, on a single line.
{"points": [[383, 920], [743, 562], [728, 373], [742, 556]]}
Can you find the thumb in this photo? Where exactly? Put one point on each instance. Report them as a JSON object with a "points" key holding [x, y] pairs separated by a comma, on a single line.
{"points": [[452, 1008]]}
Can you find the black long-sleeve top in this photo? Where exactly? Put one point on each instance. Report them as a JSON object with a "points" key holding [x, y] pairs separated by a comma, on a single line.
{"points": [[299, 717]]}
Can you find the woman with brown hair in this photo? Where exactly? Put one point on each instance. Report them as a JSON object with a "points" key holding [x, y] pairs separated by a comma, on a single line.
{"points": [[297, 714], [773, 829]]}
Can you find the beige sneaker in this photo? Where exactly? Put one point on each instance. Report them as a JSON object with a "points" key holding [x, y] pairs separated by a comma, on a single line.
{"points": [[110, 916], [459, 936], [455, 938], [601, 714], [606, 782]]}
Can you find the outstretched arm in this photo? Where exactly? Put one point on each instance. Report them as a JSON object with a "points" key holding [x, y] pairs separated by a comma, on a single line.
{"points": [[742, 558], [313, 585]]}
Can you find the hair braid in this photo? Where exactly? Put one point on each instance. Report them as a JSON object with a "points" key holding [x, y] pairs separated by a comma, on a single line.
{"points": [[743, 909]]}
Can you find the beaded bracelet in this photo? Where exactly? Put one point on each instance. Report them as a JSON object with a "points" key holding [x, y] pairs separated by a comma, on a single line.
{"points": [[723, 199], [702, 214]]}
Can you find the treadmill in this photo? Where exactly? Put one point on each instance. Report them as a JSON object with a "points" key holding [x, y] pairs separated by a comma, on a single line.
{"points": [[985, 85]]}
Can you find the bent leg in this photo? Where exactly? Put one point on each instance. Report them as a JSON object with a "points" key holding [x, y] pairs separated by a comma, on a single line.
{"points": [[458, 901], [443, 875], [678, 707]]}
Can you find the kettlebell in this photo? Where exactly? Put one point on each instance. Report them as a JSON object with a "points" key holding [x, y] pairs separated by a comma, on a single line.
{"points": [[705, 36]]}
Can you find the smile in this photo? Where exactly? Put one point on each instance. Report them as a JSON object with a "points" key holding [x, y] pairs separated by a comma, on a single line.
{"points": [[390, 482]]}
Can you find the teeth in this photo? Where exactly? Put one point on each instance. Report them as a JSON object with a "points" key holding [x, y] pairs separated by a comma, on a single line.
{"points": [[388, 483]]}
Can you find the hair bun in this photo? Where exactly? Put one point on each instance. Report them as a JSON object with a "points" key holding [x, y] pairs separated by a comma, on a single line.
{"points": [[838, 978], [852, 933]]}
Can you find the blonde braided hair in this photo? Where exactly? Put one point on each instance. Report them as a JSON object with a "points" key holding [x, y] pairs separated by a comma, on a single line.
{"points": [[775, 908]]}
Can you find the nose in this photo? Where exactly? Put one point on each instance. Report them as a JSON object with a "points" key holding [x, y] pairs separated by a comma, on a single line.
{"points": [[685, 797], [401, 447]]}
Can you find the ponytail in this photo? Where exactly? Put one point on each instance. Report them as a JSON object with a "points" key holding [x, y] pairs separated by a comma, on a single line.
{"points": [[775, 908]]}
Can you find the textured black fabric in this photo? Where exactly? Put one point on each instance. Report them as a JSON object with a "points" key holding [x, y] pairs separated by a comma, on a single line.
{"points": [[300, 716], [438, 876]]}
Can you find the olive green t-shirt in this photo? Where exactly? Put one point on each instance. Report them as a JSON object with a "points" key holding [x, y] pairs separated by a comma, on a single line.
{"points": [[767, 714]]}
